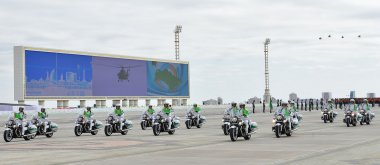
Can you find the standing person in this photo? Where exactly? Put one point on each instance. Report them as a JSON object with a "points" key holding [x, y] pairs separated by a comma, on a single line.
{"points": [[310, 104], [297, 103], [270, 106], [253, 106], [336, 103], [316, 103], [306, 104], [301, 104], [278, 102], [263, 106]]}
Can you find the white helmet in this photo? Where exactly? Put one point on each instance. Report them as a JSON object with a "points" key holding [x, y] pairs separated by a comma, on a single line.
{"points": [[365, 100], [292, 102], [329, 100], [352, 100]]}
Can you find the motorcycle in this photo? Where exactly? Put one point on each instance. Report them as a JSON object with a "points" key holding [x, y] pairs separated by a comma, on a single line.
{"points": [[113, 125], [350, 118], [282, 126], [51, 127], [226, 124], [83, 126], [238, 129], [327, 116], [14, 130], [365, 117], [146, 121], [161, 125], [191, 120]]}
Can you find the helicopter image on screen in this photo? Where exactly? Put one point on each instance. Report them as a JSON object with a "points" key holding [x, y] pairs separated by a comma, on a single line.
{"points": [[123, 74]]}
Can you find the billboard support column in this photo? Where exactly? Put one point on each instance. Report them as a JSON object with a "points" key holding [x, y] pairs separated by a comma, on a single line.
{"points": [[65, 103], [184, 102], [147, 102], [124, 103], [133, 103], [59, 104], [160, 102], [98, 103], [82, 103], [41, 103], [115, 102], [103, 103]]}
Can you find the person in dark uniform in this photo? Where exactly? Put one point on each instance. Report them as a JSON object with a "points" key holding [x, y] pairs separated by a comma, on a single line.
{"points": [[306, 104], [263, 106], [297, 103], [316, 103], [253, 106], [301, 105]]}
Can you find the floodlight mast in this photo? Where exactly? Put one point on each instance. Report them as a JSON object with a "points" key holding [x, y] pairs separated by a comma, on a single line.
{"points": [[267, 95], [177, 30]]}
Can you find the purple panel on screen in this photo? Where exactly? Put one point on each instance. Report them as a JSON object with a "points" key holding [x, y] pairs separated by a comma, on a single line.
{"points": [[119, 77]]}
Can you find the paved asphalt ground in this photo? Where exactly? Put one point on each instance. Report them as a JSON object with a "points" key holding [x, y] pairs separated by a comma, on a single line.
{"points": [[314, 143]]}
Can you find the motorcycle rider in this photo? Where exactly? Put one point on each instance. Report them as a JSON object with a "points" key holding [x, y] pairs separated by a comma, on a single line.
{"points": [[195, 111], [228, 110], [365, 105], [294, 111], [354, 108], [88, 115], [19, 118], [245, 118], [330, 107], [284, 110], [42, 118], [167, 113], [149, 112], [119, 113]]}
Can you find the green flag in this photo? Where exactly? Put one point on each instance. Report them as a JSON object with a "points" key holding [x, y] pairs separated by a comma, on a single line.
{"points": [[270, 104]]}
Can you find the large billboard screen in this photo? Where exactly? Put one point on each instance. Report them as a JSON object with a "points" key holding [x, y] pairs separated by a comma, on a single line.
{"points": [[54, 74]]}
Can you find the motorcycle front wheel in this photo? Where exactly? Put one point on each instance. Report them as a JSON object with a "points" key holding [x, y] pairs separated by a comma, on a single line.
{"points": [[225, 129], [233, 134], [188, 124], [156, 130], [277, 131], [108, 130], [143, 125], [8, 135], [78, 130]]}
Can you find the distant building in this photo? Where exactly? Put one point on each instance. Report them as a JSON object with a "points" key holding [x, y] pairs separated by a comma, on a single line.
{"points": [[352, 94], [293, 96], [220, 101], [371, 95], [210, 102], [256, 99], [326, 96]]}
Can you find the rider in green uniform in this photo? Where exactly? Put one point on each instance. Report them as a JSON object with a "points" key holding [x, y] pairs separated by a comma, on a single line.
{"points": [[352, 106], [195, 111], [42, 118], [285, 111], [367, 107], [119, 113], [245, 117], [149, 112], [88, 115], [19, 118], [167, 113]]}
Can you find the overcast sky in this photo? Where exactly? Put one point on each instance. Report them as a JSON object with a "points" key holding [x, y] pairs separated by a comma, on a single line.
{"points": [[222, 40]]}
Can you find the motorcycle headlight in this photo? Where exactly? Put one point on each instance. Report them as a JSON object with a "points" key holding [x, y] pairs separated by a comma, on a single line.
{"points": [[353, 114], [80, 119], [279, 117], [110, 118], [321, 112], [9, 123], [145, 116], [234, 119], [158, 117], [273, 120], [240, 123]]}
